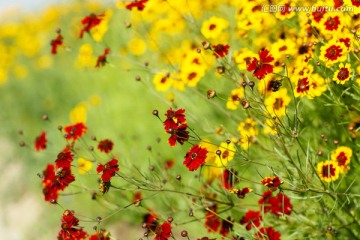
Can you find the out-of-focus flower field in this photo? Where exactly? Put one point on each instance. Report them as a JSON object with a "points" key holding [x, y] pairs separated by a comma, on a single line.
{"points": [[177, 119]]}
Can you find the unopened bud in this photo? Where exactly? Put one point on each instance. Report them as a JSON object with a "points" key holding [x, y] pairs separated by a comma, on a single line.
{"points": [[206, 45], [211, 94]]}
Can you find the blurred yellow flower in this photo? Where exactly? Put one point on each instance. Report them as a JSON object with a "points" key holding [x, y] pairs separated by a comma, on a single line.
{"points": [[84, 165], [95, 100], [44, 61], [3, 76], [214, 27], [99, 30], [85, 58], [227, 153], [277, 102], [137, 46], [235, 98], [78, 114], [20, 71]]}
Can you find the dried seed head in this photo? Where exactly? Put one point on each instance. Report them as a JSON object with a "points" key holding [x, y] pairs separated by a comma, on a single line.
{"points": [[211, 94], [91, 148], [170, 219], [319, 153], [178, 177], [218, 152], [98, 219], [45, 117], [151, 168], [356, 50], [322, 135], [20, 132], [206, 45], [184, 233], [137, 78], [22, 144], [146, 64], [228, 141], [245, 104], [93, 138], [155, 112], [220, 69], [127, 24], [149, 148], [198, 50], [59, 127], [251, 84], [336, 142], [58, 30], [244, 84]]}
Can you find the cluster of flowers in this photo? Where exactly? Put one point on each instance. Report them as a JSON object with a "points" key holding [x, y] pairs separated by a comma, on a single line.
{"points": [[70, 229]]}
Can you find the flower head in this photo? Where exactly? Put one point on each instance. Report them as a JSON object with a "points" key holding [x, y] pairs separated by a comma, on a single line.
{"points": [[212, 219], [109, 169], [101, 61], [55, 43], [64, 159], [343, 74], [342, 156], [328, 171], [195, 157], [261, 67], [105, 145], [271, 182], [163, 232], [267, 233], [40, 142], [75, 131], [89, 22], [69, 229], [139, 4], [102, 235], [251, 218], [220, 50]]}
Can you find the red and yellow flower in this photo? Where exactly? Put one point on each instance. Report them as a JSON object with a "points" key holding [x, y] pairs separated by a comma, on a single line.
{"points": [[328, 170], [343, 74], [342, 156]]}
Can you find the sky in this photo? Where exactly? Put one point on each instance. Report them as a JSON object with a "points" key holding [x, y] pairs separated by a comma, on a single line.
{"points": [[24, 5]]}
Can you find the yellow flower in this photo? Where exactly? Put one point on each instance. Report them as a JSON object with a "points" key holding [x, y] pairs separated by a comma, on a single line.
{"points": [[137, 46], [214, 27], [343, 74], [227, 153], [283, 48], [247, 127], [269, 127], [276, 103], [333, 52], [99, 31], [243, 57], [342, 156], [84, 165], [95, 100], [235, 98], [356, 7], [162, 81], [285, 14], [78, 114], [45, 61], [213, 167], [85, 58], [328, 171], [191, 74]]}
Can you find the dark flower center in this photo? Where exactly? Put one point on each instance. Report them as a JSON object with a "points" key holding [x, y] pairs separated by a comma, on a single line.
{"points": [[343, 74], [341, 158], [328, 171], [212, 27]]}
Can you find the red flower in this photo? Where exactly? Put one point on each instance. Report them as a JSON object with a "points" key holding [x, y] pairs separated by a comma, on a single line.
{"points": [[75, 131], [50, 189], [221, 50], [212, 220], [226, 226], [278, 205], [174, 118], [241, 193], [271, 182], [101, 61], [105, 145], [303, 85], [108, 170], [251, 218], [195, 157], [267, 233], [150, 220], [333, 52], [40, 142], [168, 164], [68, 230], [58, 41], [262, 66], [102, 235], [319, 13], [64, 177], [332, 23], [178, 134], [139, 4], [90, 21], [64, 159], [163, 232]]}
